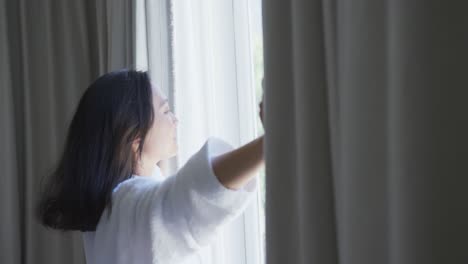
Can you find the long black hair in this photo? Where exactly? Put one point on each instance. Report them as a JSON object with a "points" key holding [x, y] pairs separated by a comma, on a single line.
{"points": [[116, 109]]}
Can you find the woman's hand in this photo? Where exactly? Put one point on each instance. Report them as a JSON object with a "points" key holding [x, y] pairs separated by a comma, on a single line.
{"points": [[261, 111], [261, 103]]}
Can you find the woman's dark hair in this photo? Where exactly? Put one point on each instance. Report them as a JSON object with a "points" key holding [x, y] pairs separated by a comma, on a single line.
{"points": [[116, 109]]}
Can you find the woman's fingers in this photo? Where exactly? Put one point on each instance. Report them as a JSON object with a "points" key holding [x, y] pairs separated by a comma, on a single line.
{"points": [[261, 111], [261, 103]]}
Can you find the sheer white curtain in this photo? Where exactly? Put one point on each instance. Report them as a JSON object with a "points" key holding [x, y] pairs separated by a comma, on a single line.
{"points": [[199, 53], [215, 96]]}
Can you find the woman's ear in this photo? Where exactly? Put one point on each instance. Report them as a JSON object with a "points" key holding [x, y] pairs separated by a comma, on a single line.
{"points": [[135, 145]]}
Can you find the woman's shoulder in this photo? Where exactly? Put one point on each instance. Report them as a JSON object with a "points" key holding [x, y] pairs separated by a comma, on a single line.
{"points": [[134, 187]]}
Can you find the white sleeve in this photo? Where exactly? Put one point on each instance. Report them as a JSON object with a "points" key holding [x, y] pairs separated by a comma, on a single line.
{"points": [[188, 208]]}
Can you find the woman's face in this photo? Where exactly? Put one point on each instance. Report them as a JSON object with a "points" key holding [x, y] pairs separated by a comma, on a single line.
{"points": [[161, 140]]}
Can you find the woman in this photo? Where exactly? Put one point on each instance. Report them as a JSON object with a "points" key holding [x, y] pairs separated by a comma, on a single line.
{"points": [[108, 186]]}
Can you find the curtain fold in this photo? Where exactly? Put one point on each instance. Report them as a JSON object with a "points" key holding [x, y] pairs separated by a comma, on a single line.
{"points": [[365, 120], [10, 211], [50, 52]]}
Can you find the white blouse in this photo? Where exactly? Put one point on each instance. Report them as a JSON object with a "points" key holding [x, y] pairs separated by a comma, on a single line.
{"points": [[157, 220]]}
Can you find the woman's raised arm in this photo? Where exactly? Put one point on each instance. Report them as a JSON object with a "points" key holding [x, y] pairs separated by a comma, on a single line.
{"points": [[236, 168]]}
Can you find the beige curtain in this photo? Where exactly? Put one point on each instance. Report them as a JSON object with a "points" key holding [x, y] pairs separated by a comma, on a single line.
{"points": [[366, 121], [50, 51]]}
